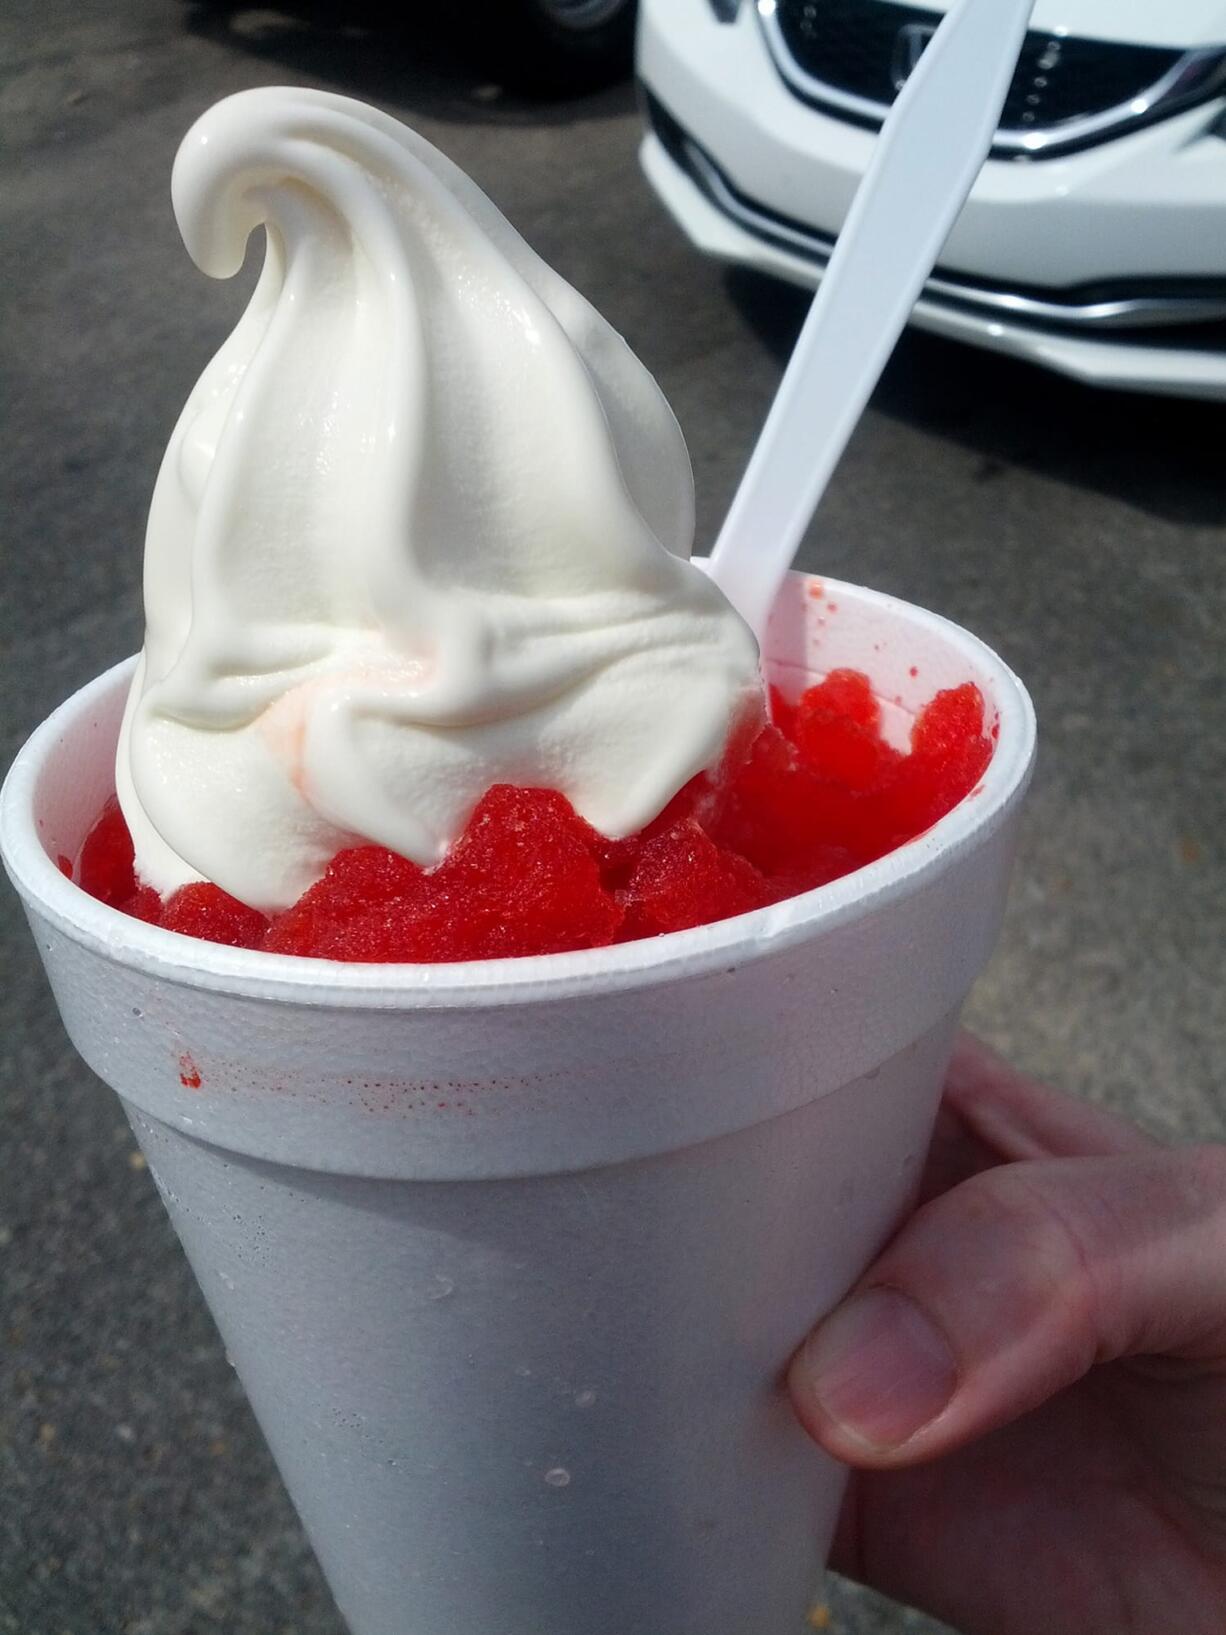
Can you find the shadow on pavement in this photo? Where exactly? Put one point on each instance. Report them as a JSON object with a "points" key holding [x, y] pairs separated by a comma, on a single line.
{"points": [[386, 53], [1160, 454]]}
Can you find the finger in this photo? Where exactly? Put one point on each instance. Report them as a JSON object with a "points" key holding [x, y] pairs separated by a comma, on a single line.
{"points": [[992, 1114], [1016, 1117], [1011, 1287], [955, 1153]]}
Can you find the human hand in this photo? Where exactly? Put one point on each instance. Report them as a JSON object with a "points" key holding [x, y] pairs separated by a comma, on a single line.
{"points": [[1031, 1380]]}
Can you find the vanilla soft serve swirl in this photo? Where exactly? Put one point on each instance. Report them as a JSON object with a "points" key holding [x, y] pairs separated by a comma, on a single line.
{"points": [[422, 527]]}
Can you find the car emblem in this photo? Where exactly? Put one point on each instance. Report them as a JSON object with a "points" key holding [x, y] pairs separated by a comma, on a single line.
{"points": [[909, 45]]}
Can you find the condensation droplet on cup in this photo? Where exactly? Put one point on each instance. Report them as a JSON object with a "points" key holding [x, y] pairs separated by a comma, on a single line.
{"points": [[558, 1477], [443, 1286], [523, 1371], [585, 1399]]}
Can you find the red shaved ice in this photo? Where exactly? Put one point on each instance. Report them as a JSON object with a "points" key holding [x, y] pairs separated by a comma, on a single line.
{"points": [[810, 797], [682, 878], [105, 867], [202, 910]]}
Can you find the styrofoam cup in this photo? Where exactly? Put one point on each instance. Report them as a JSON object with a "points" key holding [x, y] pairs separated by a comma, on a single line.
{"points": [[511, 1256]]}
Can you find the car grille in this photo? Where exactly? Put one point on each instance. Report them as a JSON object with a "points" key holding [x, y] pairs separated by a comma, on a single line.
{"points": [[862, 50]]}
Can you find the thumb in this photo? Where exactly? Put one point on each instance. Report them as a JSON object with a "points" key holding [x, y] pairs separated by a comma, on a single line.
{"points": [[1012, 1286]]}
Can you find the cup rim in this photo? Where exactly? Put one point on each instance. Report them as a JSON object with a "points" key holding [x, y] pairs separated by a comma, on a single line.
{"points": [[673, 956]]}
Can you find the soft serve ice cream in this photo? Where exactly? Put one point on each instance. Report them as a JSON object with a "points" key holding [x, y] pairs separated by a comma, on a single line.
{"points": [[428, 675], [422, 528]]}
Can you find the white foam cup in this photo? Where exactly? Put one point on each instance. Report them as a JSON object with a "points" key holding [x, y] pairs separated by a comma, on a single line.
{"points": [[511, 1256]]}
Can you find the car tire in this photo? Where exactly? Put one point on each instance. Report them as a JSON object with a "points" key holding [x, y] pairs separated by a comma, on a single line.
{"points": [[555, 47]]}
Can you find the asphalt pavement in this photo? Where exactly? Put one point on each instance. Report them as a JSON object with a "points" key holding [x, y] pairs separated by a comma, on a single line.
{"points": [[1081, 534]]}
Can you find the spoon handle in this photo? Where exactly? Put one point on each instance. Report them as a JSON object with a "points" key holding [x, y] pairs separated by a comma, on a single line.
{"points": [[927, 156]]}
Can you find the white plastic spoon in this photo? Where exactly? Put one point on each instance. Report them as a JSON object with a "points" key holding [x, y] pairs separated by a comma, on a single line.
{"points": [[930, 150]]}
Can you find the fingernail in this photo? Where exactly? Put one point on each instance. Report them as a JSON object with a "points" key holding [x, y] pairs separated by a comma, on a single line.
{"points": [[879, 1368]]}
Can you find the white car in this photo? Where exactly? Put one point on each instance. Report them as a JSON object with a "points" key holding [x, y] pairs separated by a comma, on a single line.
{"points": [[1094, 241]]}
